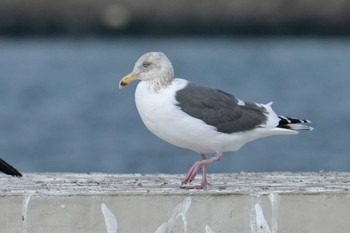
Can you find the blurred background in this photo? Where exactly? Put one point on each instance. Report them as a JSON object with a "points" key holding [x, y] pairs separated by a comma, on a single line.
{"points": [[60, 63]]}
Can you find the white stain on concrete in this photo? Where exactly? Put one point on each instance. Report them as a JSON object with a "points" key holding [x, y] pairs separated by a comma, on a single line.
{"points": [[25, 204], [258, 223], [179, 211], [274, 200], [208, 230], [110, 219]]}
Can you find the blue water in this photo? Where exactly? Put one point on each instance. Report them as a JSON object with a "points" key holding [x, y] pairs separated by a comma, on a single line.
{"points": [[61, 109]]}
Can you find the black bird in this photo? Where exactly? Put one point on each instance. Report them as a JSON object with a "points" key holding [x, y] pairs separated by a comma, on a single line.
{"points": [[8, 169]]}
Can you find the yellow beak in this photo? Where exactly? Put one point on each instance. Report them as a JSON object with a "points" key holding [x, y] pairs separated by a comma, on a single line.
{"points": [[126, 80]]}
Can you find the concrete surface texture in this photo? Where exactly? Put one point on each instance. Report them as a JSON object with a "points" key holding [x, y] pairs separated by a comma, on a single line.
{"points": [[244, 202]]}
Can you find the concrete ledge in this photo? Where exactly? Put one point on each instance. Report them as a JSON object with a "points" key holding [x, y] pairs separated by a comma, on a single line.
{"points": [[244, 202]]}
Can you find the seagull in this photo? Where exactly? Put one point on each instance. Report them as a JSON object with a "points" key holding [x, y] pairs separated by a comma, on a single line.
{"points": [[8, 169], [198, 118]]}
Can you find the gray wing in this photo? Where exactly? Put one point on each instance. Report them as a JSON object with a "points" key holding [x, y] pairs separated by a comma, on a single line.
{"points": [[220, 109]]}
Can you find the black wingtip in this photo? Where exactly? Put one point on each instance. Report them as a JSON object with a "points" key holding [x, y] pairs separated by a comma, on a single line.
{"points": [[294, 123], [8, 169]]}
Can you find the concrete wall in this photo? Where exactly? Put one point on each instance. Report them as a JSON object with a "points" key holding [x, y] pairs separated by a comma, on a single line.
{"points": [[245, 202]]}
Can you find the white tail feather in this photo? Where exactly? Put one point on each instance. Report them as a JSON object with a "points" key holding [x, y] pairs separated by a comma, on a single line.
{"points": [[299, 127]]}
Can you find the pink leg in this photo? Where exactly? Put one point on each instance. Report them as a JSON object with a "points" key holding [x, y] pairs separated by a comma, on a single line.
{"points": [[191, 174], [204, 182]]}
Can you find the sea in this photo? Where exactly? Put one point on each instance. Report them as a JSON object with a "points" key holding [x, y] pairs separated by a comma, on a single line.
{"points": [[61, 109]]}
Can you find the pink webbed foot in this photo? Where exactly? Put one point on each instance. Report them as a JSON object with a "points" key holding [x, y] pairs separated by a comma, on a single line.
{"points": [[203, 183], [191, 174]]}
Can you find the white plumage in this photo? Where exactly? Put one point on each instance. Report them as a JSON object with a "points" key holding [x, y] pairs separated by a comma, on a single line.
{"points": [[161, 115], [162, 112]]}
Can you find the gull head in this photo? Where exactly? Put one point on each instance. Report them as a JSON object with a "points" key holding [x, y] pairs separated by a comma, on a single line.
{"points": [[153, 66]]}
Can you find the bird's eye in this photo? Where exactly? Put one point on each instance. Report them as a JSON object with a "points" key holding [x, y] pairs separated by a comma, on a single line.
{"points": [[146, 64]]}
